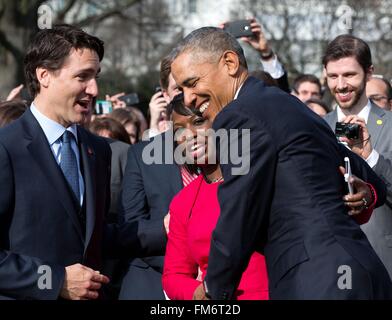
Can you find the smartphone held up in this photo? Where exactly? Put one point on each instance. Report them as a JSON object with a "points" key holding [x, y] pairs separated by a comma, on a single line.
{"points": [[239, 28]]}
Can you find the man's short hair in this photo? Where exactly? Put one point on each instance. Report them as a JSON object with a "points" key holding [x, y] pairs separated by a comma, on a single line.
{"points": [[165, 70], [319, 102], [389, 87], [51, 47], [306, 78], [212, 42], [345, 46]]}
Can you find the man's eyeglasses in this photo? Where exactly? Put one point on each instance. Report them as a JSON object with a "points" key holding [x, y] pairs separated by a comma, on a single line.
{"points": [[377, 97]]}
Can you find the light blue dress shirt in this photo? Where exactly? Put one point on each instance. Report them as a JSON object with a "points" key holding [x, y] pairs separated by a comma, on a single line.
{"points": [[53, 132]]}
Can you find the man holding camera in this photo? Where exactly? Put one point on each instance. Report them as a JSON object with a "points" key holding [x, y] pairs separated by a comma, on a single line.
{"points": [[363, 126]]}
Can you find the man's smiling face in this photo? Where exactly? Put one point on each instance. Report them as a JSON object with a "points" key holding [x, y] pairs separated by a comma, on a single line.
{"points": [[206, 84]]}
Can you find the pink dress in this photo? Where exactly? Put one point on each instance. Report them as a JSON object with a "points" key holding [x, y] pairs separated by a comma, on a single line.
{"points": [[194, 213]]}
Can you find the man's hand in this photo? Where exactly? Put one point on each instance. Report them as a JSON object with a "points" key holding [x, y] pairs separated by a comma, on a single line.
{"points": [[115, 100], [166, 222], [361, 146], [199, 293], [82, 283], [158, 106], [362, 197], [258, 41], [15, 93]]}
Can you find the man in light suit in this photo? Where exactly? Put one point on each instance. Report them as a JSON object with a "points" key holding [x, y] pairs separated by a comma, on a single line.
{"points": [[348, 67], [288, 202]]}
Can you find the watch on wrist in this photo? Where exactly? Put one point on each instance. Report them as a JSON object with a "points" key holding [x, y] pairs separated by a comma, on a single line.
{"points": [[267, 55]]}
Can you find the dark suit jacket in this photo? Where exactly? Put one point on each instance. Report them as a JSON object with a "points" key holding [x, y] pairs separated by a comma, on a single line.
{"points": [[289, 205], [379, 228], [38, 218], [146, 194], [119, 160]]}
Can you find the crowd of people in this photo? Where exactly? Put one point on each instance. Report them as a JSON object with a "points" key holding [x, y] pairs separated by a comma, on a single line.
{"points": [[81, 196]]}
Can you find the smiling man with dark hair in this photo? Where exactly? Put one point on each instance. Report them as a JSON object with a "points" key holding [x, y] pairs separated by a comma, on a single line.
{"points": [[289, 205], [348, 69], [51, 210]]}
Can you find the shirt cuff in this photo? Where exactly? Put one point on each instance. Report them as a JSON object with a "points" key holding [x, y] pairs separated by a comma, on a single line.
{"points": [[153, 132], [273, 67], [373, 158]]}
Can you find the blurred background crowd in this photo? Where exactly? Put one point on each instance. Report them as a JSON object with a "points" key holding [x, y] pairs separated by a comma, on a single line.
{"points": [[287, 52]]}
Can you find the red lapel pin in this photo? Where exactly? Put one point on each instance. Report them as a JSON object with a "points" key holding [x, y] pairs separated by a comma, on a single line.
{"points": [[90, 151]]}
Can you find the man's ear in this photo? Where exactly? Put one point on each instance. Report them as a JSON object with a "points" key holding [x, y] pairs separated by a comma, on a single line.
{"points": [[369, 73], [325, 73], [43, 76], [231, 61]]}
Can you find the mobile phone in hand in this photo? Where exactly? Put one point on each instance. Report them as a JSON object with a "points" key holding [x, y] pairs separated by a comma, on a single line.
{"points": [[103, 107], [347, 175], [239, 28]]}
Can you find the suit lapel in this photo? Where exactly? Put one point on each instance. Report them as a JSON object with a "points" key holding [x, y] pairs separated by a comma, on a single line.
{"points": [[88, 163], [173, 172], [38, 146], [375, 123], [331, 119], [175, 178]]}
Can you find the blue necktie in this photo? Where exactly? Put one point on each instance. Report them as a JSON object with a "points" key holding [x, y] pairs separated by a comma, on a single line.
{"points": [[69, 164]]}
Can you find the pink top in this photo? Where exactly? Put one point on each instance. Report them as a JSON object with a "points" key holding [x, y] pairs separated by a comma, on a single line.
{"points": [[194, 213]]}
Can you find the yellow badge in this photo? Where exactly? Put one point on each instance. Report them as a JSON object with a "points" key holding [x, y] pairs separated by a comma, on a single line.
{"points": [[379, 122]]}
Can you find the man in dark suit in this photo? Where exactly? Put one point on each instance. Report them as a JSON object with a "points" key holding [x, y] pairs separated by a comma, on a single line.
{"points": [[288, 201], [348, 67], [146, 195], [55, 178], [147, 191], [52, 210]]}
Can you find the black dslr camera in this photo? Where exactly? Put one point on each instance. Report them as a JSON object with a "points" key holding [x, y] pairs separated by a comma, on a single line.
{"points": [[349, 130]]}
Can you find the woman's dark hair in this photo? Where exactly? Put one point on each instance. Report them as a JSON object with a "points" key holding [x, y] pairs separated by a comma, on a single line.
{"points": [[51, 47], [115, 128], [346, 45], [10, 111], [125, 116], [178, 105]]}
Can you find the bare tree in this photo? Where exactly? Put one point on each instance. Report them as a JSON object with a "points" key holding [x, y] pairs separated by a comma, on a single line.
{"points": [[300, 30], [18, 23]]}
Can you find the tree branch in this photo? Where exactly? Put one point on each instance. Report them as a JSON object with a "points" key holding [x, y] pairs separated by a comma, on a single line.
{"points": [[61, 15], [118, 11], [9, 46]]}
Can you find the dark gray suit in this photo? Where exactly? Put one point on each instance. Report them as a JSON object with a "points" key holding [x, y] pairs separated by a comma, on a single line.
{"points": [[146, 195], [119, 161], [379, 228]]}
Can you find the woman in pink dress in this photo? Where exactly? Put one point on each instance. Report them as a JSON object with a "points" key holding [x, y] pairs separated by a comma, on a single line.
{"points": [[193, 215]]}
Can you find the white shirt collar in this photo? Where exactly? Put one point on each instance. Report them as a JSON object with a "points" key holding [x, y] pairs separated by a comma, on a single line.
{"points": [[364, 113], [53, 130], [238, 91]]}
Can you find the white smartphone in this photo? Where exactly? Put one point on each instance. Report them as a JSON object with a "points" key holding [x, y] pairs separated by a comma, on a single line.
{"points": [[347, 175]]}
